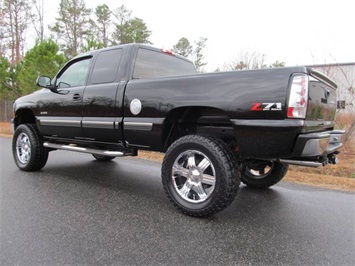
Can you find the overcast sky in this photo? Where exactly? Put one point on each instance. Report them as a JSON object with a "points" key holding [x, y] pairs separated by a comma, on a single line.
{"points": [[297, 32]]}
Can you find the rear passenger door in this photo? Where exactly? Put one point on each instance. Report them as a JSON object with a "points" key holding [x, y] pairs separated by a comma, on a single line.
{"points": [[101, 102]]}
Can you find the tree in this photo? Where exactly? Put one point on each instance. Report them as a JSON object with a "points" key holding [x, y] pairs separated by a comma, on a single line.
{"points": [[92, 44], [277, 64], [2, 31], [247, 60], [37, 18], [128, 30], [103, 19], [14, 22], [345, 117], [183, 47], [4, 77], [251, 60], [200, 45], [43, 59], [72, 26]]}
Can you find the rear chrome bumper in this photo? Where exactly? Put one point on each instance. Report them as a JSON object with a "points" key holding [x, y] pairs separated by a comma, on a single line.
{"points": [[316, 149], [318, 144]]}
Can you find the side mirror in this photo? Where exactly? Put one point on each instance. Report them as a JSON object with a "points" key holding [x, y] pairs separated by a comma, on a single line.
{"points": [[44, 82]]}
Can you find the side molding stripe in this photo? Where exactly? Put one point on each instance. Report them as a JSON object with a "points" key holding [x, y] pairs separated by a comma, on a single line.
{"points": [[138, 126]]}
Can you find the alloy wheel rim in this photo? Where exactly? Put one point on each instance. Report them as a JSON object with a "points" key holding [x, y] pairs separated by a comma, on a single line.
{"points": [[261, 173], [194, 176], [23, 148]]}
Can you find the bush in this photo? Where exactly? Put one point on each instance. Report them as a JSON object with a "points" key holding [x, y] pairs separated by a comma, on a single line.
{"points": [[346, 121]]}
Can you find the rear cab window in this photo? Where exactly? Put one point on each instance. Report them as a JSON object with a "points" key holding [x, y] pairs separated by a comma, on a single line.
{"points": [[105, 69], [155, 64]]}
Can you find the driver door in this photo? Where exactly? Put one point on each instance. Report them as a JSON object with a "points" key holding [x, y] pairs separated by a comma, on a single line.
{"points": [[61, 112]]}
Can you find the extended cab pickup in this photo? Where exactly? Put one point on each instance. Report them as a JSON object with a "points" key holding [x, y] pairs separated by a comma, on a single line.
{"points": [[216, 129]]}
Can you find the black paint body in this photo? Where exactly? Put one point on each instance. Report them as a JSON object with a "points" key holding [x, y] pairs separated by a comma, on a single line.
{"points": [[215, 103]]}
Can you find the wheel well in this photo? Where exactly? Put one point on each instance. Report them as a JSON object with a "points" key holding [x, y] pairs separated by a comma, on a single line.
{"points": [[196, 120], [24, 116]]}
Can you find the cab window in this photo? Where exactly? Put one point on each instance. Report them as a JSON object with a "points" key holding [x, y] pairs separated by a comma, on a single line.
{"points": [[153, 64], [74, 75], [106, 66]]}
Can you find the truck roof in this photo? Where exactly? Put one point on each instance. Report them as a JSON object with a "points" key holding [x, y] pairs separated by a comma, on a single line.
{"points": [[136, 45]]}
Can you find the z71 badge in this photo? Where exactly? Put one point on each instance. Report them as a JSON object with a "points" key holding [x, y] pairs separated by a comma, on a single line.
{"points": [[266, 107]]}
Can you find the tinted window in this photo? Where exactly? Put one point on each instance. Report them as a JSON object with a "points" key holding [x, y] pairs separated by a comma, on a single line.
{"points": [[75, 75], [152, 64], [106, 66]]}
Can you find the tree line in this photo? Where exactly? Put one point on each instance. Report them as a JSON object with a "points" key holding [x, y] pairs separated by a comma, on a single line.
{"points": [[76, 29]]}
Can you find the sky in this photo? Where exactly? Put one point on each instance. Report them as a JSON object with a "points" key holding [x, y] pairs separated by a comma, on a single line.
{"points": [[301, 32]]}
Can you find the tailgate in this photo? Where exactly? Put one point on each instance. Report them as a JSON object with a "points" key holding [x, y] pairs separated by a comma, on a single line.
{"points": [[321, 102]]}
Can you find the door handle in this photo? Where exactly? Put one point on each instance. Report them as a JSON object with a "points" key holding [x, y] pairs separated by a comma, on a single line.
{"points": [[77, 96]]}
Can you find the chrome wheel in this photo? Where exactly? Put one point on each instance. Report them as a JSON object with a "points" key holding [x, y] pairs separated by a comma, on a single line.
{"points": [[260, 170], [193, 176], [263, 174], [23, 148], [200, 175], [27, 148]]}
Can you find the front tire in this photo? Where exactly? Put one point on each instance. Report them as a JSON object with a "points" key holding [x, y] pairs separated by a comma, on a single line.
{"points": [[27, 148], [263, 174], [200, 175]]}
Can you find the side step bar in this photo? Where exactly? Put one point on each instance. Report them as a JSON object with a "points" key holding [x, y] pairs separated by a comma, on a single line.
{"points": [[85, 150]]}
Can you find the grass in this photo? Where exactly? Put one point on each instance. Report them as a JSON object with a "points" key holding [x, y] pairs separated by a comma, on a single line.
{"points": [[340, 176]]}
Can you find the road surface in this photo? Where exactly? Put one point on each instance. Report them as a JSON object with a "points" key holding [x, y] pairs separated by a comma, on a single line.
{"points": [[81, 211]]}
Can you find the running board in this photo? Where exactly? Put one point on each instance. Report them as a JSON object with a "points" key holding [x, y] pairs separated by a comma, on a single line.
{"points": [[85, 150]]}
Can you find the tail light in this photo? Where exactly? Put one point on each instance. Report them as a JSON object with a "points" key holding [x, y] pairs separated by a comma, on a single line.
{"points": [[298, 99]]}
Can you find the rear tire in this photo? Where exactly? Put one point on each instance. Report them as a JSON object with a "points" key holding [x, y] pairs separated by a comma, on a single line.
{"points": [[200, 175], [263, 174], [27, 148]]}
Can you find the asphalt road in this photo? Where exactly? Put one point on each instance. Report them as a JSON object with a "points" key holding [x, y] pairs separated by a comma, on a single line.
{"points": [[81, 211]]}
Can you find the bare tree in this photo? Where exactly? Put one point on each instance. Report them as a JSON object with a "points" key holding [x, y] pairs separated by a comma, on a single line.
{"points": [[2, 31], [247, 60], [37, 18], [199, 62], [15, 16], [343, 75]]}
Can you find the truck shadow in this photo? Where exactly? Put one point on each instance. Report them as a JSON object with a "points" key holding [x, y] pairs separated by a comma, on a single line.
{"points": [[141, 179]]}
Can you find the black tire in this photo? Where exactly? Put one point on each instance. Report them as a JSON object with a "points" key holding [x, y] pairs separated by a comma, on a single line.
{"points": [[27, 148], [200, 175], [103, 158], [263, 174]]}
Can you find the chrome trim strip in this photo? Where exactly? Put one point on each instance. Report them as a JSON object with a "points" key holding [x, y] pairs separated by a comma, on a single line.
{"points": [[268, 123], [98, 124], [137, 126], [59, 122]]}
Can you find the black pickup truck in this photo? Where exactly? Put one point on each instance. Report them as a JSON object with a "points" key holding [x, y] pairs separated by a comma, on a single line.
{"points": [[216, 129]]}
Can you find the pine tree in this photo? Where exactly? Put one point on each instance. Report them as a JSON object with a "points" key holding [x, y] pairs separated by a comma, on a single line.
{"points": [[43, 59], [128, 30], [183, 47], [72, 26]]}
